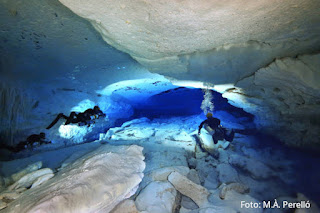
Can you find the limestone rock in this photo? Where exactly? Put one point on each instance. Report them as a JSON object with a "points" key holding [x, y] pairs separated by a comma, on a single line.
{"points": [[182, 136], [204, 167], [40, 180], [188, 188], [184, 210], [227, 173], [187, 203], [27, 180], [75, 133], [164, 158], [136, 27], [126, 206], [2, 205], [135, 121], [238, 187], [231, 203], [92, 183], [279, 93], [10, 195], [73, 158], [193, 176], [163, 173], [192, 162], [255, 167], [157, 197], [130, 133], [30, 168], [223, 156], [211, 181]]}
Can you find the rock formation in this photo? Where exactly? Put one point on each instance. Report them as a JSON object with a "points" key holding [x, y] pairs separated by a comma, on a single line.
{"points": [[93, 183]]}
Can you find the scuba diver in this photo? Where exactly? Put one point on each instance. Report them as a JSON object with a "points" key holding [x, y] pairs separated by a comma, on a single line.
{"points": [[218, 132], [83, 118], [31, 140], [89, 115]]}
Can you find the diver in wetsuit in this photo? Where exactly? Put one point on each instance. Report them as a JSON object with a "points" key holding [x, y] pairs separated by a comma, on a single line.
{"points": [[220, 133], [89, 115], [83, 118], [31, 140], [95, 112]]}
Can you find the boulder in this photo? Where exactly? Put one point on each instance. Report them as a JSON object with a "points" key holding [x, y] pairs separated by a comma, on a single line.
{"points": [[193, 176], [211, 181], [93, 183], [40, 180], [27, 180], [238, 187], [163, 173], [2, 204], [74, 133], [30, 168], [256, 168], [188, 188], [227, 173], [187, 203], [157, 197], [223, 156], [126, 206], [9, 195], [231, 203]]}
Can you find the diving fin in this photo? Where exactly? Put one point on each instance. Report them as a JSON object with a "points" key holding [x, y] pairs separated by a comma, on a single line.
{"points": [[55, 121]]}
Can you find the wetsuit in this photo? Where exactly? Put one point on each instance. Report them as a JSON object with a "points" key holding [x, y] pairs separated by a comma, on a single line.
{"points": [[220, 133], [213, 123], [83, 118]]}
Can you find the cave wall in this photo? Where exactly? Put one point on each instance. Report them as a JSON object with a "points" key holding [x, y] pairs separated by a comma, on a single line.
{"points": [[285, 98], [53, 61]]}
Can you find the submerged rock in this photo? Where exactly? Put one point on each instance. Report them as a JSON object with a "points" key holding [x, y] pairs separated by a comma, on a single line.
{"points": [[188, 188], [227, 173], [238, 187], [163, 173], [30, 168], [157, 197], [211, 181], [40, 180], [28, 180], [92, 183], [126, 206], [193, 176], [75, 133], [2, 205], [188, 203], [256, 168]]}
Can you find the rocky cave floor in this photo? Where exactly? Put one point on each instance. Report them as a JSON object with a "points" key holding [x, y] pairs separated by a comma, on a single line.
{"points": [[179, 176]]}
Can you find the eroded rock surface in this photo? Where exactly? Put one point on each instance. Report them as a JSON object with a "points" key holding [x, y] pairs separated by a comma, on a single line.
{"points": [[157, 197], [159, 34], [93, 183]]}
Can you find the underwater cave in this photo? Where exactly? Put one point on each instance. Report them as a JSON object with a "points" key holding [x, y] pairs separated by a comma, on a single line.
{"points": [[159, 107]]}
